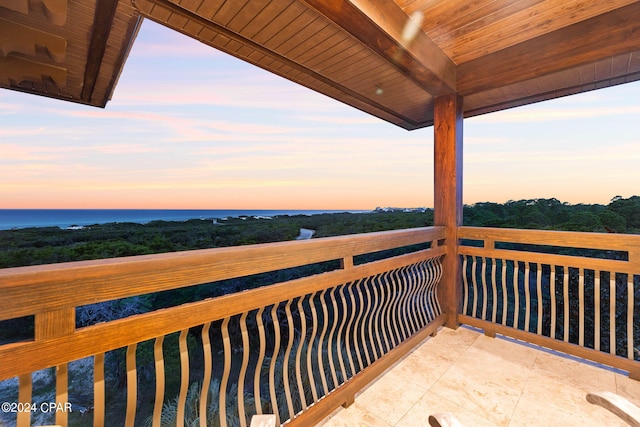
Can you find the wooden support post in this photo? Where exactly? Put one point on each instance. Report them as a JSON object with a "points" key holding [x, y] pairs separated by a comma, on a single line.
{"points": [[447, 127]]}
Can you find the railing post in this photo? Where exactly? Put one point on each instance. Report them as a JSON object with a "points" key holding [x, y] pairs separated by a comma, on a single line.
{"points": [[448, 118]]}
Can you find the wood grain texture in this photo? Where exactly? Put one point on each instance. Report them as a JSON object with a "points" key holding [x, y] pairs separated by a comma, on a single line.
{"points": [[448, 195], [588, 41], [31, 290]]}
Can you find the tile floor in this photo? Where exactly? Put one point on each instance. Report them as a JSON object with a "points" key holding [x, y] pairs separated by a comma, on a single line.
{"points": [[486, 382]]}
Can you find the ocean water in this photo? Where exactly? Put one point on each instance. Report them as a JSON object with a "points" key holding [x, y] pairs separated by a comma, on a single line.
{"points": [[64, 218]]}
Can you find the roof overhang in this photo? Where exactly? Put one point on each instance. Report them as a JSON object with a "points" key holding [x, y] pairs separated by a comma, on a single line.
{"points": [[387, 58]]}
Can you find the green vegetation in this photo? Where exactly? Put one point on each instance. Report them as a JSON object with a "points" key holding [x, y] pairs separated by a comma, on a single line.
{"points": [[31, 246]]}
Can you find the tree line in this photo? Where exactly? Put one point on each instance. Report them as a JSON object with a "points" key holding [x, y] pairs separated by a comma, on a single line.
{"points": [[46, 245]]}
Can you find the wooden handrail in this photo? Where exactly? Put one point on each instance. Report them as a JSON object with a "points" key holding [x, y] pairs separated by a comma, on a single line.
{"points": [[571, 239], [45, 288]]}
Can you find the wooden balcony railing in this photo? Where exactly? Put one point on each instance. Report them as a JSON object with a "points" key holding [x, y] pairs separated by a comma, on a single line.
{"points": [[297, 349], [575, 292]]}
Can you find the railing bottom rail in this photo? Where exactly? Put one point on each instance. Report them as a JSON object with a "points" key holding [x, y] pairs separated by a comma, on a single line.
{"points": [[491, 329]]}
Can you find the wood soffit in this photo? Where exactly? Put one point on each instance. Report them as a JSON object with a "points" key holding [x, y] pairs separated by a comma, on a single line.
{"points": [[387, 58]]}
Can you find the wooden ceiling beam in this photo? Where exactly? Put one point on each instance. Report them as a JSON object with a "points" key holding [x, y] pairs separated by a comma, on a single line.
{"points": [[379, 25], [103, 20], [588, 41]]}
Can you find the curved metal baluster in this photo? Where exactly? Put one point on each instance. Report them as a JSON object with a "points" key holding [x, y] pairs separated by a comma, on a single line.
{"points": [[597, 306], [367, 323], [376, 318], [516, 292], [395, 304], [417, 299], [539, 296], [206, 375], [132, 385], [408, 288], [474, 282], [343, 320], [285, 365], [334, 324], [485, 298], [385, 325], [494, 288], [581, 307], [359, 320], [630, 305], [325, 323], [505, 296], [184, 376], [222, 396], [422, 298], [612, 313], [406, 283], [272, 365], [393, 294], [348, 335], [565, 286], [527, 298], [98, 390], [303, 339], [465, 286], [401, 291], [312, 339], [261, 352], [437, 281], [429, 275], [432, 272], [158, 356], [552, 292], [243, 369]]}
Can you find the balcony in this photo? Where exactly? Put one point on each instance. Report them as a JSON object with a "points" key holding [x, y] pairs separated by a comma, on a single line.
{"points": [[302, 347]]}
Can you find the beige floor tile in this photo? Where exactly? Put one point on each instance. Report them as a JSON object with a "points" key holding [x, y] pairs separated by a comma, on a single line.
{"points": [[482, 394], [574, 372], [353, 416], [551, 401], [390, 398], [628, 388], [430, 404]]}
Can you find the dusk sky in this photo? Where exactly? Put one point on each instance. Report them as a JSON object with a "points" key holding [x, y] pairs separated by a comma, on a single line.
{"points": [[190, 127]]}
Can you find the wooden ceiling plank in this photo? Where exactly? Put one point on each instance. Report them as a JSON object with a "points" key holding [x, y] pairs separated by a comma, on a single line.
{"points": [[603, 69], [329, 57], [587, 41], [208, 8], [478, 19], [272, 28], [177, 21], [535, 21], [261, 19], [322, 47], [348, 60], [229, 10], [305, 39], [245, 15], [192, 5], [291, 33], [193, 28], [379, 24]]}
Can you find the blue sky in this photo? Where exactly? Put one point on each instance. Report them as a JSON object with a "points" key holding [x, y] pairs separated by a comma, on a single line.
{"points": [[191, 127]]}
